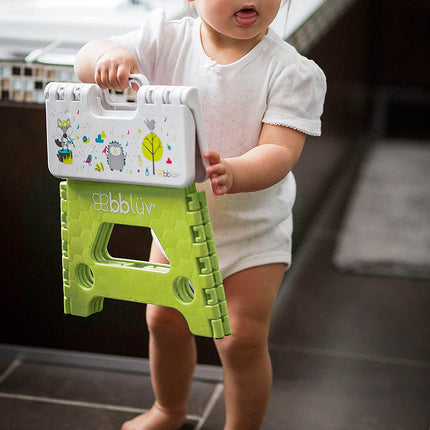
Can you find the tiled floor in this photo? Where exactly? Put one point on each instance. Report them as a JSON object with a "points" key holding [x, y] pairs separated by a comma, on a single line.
{"points": [[61, 390], [349, 353]]}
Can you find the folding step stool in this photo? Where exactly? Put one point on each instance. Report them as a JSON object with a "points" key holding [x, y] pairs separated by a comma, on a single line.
{"points": [[134, 164]]}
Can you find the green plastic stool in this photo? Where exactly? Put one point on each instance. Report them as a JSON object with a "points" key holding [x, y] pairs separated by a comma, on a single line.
{"points": [[192, 283], [118, 173]]}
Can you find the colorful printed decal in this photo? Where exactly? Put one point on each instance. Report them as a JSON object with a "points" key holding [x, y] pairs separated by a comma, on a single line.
{"points": [[118, 150], [64, 141], [152, 147]]}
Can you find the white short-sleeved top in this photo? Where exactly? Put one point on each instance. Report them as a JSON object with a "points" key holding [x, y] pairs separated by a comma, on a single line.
{"points": [[272, 84]]}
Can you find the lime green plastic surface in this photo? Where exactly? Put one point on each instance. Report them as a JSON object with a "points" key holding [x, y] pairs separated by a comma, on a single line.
{"points": [[192, 282]]}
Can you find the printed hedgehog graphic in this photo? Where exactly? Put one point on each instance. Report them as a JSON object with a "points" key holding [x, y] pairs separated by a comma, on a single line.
{"points": [[115, 156]]}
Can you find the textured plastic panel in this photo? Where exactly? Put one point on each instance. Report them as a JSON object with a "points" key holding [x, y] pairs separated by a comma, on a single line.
{"points": [[192, 283]]}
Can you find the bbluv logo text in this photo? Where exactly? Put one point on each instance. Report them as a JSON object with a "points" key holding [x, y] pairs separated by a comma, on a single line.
{"points": [[107, 202]]}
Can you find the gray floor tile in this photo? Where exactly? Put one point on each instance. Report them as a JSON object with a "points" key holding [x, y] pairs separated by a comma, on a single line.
{"points": [[86, 385], [94, 386], [368, 315], [32, 415], [325, 393], [28, 415], [313, 392], [6, 359]]}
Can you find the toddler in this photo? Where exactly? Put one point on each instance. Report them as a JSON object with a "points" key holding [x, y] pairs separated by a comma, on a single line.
{"points": [[259, 99]]}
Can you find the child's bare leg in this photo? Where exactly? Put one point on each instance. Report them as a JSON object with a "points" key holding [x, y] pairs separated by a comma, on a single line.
{"points": [[244, 355], [172, 356]]}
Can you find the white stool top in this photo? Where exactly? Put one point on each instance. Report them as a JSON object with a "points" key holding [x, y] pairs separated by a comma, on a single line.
{"points": [[157, 141]]}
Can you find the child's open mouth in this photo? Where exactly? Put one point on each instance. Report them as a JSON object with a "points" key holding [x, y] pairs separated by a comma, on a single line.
{"points": [[246, 16]]}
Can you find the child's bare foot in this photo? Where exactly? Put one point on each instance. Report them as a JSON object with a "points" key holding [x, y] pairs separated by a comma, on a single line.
{"points": [[157, 418]]}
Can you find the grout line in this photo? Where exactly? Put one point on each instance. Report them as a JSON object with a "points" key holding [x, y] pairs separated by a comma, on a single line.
{"points": [[210, 405], [71, 403], [351, 356], [76, 403], [15, 363]]}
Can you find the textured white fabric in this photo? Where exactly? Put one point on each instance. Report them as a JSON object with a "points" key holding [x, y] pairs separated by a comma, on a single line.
{"points": [[271, 84]]}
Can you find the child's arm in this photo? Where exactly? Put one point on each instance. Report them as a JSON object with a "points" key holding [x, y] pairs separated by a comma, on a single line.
{"points": [[265, 165], [106, 64]]}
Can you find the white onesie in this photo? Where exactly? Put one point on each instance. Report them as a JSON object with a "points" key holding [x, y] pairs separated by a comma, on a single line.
{"points": [[271, 84]]}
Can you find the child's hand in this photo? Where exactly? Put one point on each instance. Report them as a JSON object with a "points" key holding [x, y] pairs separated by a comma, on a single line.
{"points": [[114, 67], [220, 173]]}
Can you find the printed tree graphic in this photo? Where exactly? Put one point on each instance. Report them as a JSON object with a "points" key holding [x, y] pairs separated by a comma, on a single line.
{"points": [[152, 147]]}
